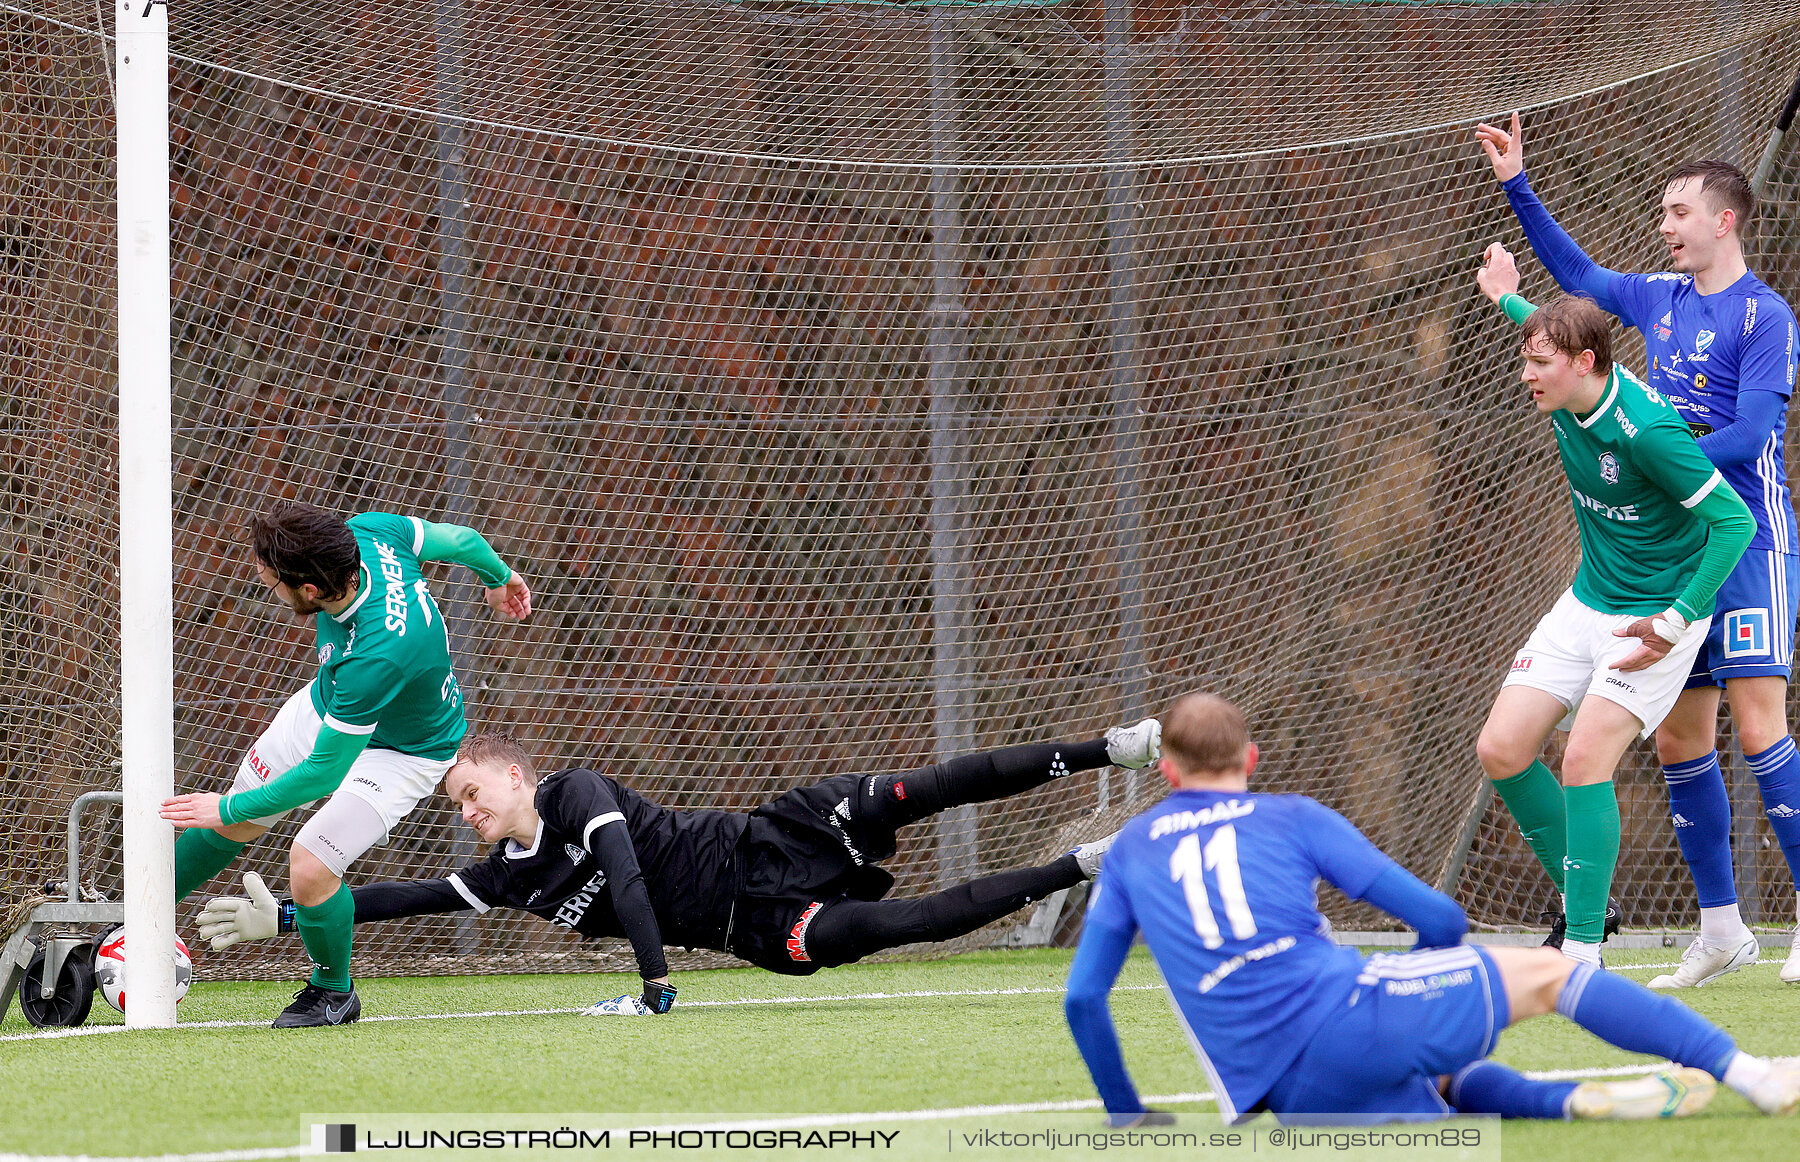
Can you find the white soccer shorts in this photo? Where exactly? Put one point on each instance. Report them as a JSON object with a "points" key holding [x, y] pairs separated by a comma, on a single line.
{"points": [[1568, 655], [381, 788]]}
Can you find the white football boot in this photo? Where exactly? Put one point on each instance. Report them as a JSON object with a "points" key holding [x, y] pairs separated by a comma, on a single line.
{"points": [[1779, 1093], [1088, 855], [1790, 972], [1134, 747], [1704, 962]]}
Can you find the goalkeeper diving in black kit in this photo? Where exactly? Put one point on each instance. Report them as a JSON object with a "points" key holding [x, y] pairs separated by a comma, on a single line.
{"points": [[793, 886]]}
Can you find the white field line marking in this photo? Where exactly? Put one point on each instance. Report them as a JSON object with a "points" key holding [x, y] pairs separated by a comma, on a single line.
{"points": [[96, 1030], [802, 1121]]}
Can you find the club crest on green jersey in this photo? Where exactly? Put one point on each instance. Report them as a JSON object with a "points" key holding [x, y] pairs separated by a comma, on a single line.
{"points": [[1609, 468]]}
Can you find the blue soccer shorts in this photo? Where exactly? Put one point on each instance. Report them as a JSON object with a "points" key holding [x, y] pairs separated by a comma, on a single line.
{"points": [[1414, 1016], [1752, 632]]}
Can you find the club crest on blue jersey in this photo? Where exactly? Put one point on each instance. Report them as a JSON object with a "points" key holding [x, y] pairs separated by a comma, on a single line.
{"points": [[1746, 632], [1609, 468], [1701, 342]]}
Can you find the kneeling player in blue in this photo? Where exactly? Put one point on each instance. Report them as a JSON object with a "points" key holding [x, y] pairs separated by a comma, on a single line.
{"points": [[1223, 882], [793, 886]]}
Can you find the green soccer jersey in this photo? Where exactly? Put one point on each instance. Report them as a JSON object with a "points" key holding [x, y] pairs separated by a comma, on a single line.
{"points": [[1635, 477], [384, 662]]}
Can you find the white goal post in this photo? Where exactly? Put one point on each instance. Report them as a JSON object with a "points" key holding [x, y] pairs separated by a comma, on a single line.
{"points": [[146, 536]]}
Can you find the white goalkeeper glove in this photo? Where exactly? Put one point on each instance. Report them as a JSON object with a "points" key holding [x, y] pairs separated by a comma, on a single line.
{"points": [[226, 920], [618, 1007]]}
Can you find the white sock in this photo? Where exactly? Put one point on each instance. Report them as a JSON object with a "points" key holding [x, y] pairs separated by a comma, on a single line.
{"points": [[1745, 1072], [1585, 953], [1721, 925]]}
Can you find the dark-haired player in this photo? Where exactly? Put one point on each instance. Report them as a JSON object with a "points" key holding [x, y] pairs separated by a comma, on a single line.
{"points": [[1660, 529], [375, 729], [1720, 347], [793, 886], [1223, 884]]}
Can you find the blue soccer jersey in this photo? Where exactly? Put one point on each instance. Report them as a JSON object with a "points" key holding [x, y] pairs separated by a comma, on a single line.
{"points": [[1240, 872], [1703, 352]]}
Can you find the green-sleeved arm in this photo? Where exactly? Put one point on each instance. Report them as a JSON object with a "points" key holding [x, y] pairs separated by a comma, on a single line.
{"points": [[464, 546], [318, 775], [1516, 308], [1730, 528]]}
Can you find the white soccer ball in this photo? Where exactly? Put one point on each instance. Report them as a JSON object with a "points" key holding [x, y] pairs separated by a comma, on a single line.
{"points": [[109, 969]]}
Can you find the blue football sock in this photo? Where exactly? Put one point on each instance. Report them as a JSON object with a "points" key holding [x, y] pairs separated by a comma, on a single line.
{"points": [[1700, 808], [1488, 1087], [1777, 773], [1632, 1017]]}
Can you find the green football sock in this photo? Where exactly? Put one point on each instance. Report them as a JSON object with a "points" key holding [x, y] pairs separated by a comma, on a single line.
{"points": [[199, 856], [325, 930], [1535, 799], [1593, 853]]}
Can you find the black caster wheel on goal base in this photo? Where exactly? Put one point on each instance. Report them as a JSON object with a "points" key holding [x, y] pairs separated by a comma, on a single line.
{"points": [[72, 995]]}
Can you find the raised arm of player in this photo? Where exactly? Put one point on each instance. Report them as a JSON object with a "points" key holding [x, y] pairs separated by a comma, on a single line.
{"points": [[1573, 270], [1499, 274], [507, 593]]}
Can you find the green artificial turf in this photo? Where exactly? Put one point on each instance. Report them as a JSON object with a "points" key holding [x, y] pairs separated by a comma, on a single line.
{"points": [[196, 1089]]}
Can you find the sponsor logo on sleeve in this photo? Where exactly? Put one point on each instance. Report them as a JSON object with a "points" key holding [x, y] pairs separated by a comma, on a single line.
{"points": [[1749, 316]]}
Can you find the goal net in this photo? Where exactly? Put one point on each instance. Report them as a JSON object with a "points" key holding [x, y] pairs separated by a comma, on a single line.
{"points": [[856, 384]]}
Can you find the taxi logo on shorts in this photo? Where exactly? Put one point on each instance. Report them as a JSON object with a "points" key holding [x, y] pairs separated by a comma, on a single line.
{"points": [[1609, 468], [1746, 632]]}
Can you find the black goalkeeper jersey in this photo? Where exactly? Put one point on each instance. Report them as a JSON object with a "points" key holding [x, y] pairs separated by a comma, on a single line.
{"points": [[608, 862], [605, 862]]}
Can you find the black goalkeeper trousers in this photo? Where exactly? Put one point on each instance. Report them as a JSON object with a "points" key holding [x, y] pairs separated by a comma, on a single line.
{"points": [[890, 802], [848, 930]]}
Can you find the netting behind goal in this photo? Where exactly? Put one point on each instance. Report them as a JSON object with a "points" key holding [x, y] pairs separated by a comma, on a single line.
{"points": [[856, 384]]}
